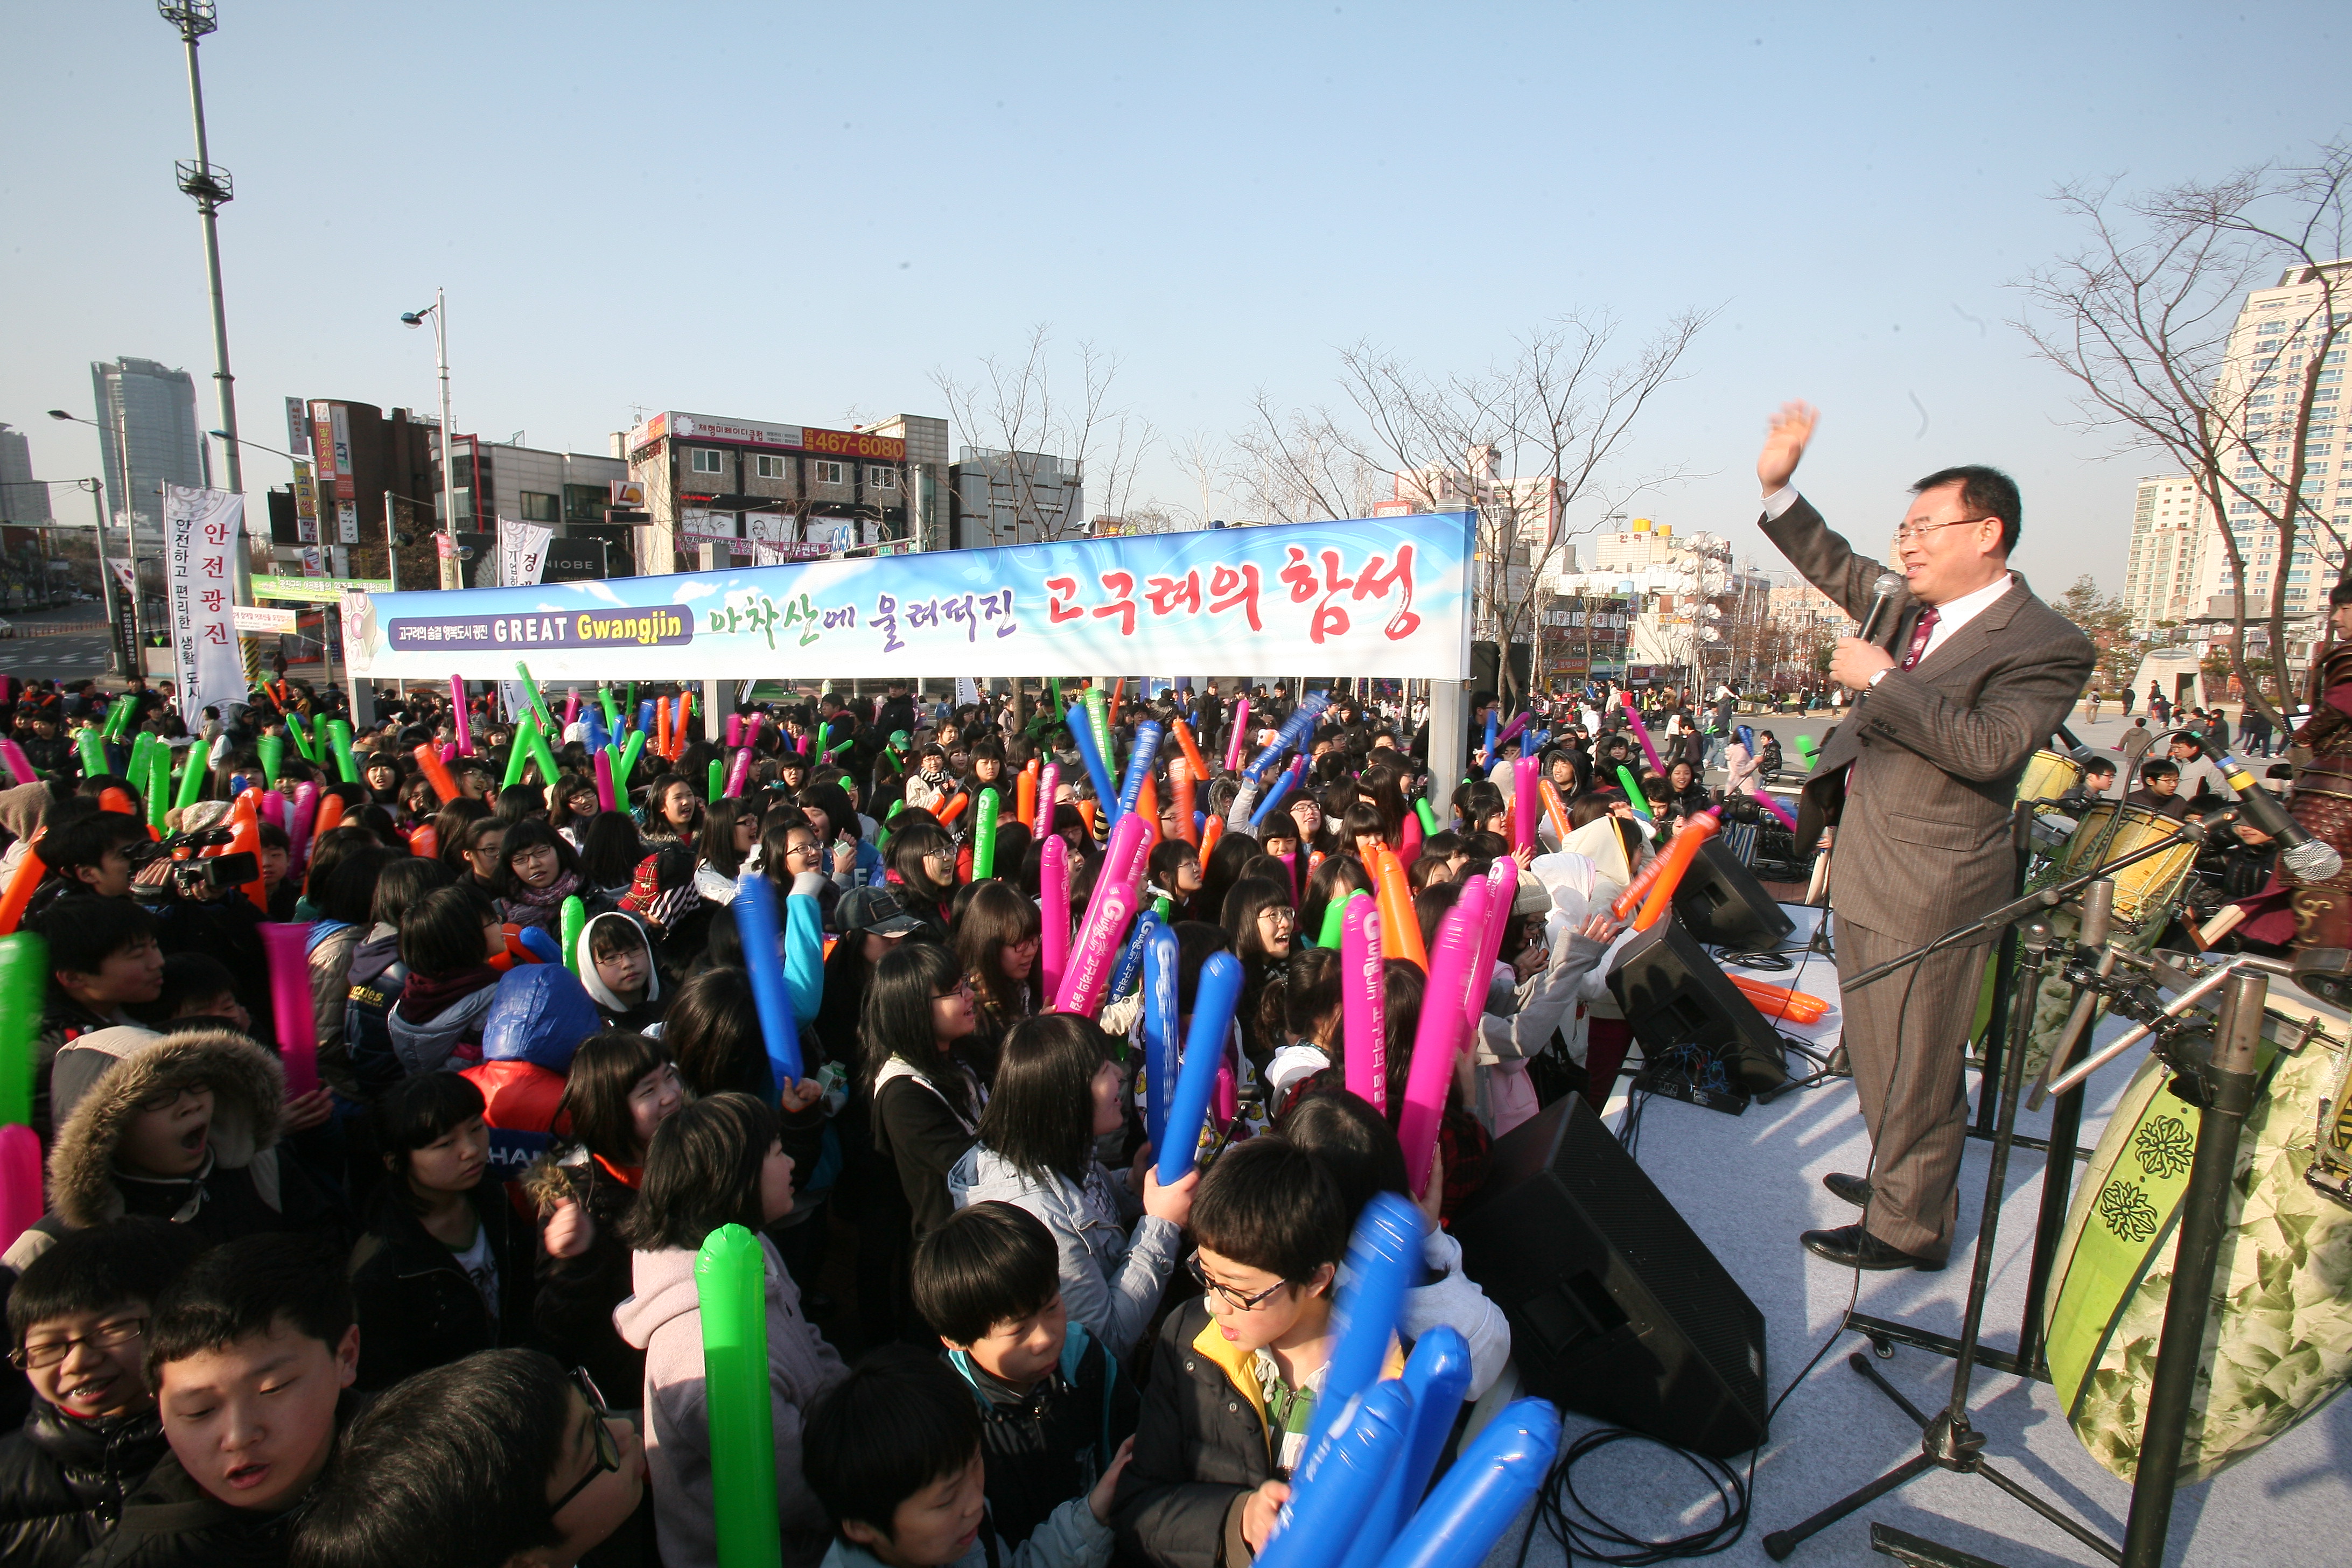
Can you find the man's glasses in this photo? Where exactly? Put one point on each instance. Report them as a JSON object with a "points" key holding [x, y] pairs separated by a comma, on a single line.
{"points": [[1905, 534], [1238, 1303], [608, 1448], [49, 1352]]}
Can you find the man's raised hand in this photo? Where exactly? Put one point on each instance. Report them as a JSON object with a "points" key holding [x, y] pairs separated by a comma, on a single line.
{"points": [[1784, 445]]}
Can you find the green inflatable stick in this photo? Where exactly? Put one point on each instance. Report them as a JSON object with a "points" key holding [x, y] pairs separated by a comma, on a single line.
{"points": [[718, 780], [541, 755], [273, 756], [983, 836], [1634, 795], [192, 777], [301, 740], [731, 1284], [1807, 750], [24, 985], [135, 770], [159, 785], [1097, 715], [631, 750], [518, 752], [538, 703], [1335, 919], [92, 748], [1428, 818], [612, 713], [571, 920], [338, 736]]}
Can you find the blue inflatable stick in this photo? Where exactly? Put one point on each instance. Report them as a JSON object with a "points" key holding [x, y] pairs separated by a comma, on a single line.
{"points": [[1204, 1052], [1159, 1042], [1332, 1490], [1498, 1470], [755, 921]]}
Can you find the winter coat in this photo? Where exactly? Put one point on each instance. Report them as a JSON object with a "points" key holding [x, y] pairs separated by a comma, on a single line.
{"points": [[170, 1521], [923, 1136], [1202, 1445], [664, 1318], [1071, 1537], [417, 1308], [63, 1481], [372, 990], [246, 1184], [573, 1310], [426, 1045], [331, 946], [1111, 1281], [1045, 1445]]}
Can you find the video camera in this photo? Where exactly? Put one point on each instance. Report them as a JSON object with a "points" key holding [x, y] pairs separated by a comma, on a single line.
{"points": [[194, 874]]}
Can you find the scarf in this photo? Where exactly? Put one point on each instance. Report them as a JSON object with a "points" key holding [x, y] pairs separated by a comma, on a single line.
{"points": [[426, 996], [550, 896]]}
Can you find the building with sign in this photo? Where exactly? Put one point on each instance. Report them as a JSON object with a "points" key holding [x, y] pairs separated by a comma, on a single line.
{"points": [[719, 489], [569, 491], [347, 457]]}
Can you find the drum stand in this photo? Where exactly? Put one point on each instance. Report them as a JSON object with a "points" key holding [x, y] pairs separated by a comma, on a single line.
{"points": [[1948, 1440]]}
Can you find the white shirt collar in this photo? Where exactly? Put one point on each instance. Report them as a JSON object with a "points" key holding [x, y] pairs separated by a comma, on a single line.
{"points": [[1952, 616]]}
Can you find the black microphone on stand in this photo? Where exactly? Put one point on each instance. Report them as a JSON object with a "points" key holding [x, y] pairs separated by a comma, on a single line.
{"points": [[2310, 859]]}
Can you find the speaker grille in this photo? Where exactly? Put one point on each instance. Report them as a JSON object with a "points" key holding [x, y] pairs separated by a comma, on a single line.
{"points": [[1690, 1287]]}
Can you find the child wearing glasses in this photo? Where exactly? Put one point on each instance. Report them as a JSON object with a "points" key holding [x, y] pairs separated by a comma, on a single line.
{"points": [[501, 1458], [1236, 1370], [77, 1330]]}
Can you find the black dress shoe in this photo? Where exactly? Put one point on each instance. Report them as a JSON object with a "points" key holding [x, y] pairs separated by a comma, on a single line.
{"points": [[1854, 1190], [1850, 1246]]}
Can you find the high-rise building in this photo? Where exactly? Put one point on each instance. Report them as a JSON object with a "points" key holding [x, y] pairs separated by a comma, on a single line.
{"points": [[2171, 523], [154, 408], [23, 499], [1018, 497], [2269, 354]]}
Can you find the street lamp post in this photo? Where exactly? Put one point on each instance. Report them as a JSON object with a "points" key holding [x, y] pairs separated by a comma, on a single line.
{"points": [[212, 188], [130, 528], [439, 311], [97, 489]]}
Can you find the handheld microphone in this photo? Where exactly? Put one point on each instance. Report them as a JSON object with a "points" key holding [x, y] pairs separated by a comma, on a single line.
{"points": [[2310, 859], [1883, 591]]}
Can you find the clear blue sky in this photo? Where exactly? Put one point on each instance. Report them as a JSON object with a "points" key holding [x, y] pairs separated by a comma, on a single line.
{"points": [[796, 212]]}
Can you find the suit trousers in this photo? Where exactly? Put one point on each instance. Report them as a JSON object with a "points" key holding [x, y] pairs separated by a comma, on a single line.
{"points": [[1907, 1035]]}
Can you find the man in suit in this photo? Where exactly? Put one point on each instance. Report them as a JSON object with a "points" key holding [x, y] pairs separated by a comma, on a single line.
{"points": [[1972, 676]]}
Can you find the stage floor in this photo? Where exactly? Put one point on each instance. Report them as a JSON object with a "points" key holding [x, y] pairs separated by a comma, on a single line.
{"points": [[1747, 1184]]}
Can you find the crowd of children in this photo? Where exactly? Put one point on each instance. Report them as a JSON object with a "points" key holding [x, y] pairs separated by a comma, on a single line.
{"points": [[443, 1309]]}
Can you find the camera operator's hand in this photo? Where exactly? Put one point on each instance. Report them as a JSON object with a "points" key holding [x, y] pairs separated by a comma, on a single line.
{"points": [[154, 874]]}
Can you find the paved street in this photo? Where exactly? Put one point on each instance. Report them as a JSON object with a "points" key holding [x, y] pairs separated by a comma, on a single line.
{"points": [[64, 657]]}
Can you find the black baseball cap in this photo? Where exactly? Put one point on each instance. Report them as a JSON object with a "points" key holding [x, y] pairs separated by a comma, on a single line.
{"points": [[876, 910]]}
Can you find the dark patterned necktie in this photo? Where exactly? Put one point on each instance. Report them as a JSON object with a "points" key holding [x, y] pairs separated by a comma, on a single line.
{"points": [[1919, 635]]}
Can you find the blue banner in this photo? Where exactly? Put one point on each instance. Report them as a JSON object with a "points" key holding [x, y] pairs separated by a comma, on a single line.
{"points": [[1371, 596]]}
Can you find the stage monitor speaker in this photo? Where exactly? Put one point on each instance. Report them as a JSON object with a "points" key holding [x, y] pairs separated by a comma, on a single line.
{"points": [[1721, 903], [1673, 995], [1617, 1309]]}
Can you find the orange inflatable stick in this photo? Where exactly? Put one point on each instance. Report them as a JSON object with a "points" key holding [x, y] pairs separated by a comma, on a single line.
{"points": [[1677, 858], [437, 773], [1399, 930]]}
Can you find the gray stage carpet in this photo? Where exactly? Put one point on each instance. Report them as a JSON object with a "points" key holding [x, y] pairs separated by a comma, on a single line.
{"points": [[1747, 1184]]}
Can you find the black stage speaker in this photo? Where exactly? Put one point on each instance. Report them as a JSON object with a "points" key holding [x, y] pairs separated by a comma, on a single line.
{"points": [[1617, 1309], [1720, 902], [1674, 995]]}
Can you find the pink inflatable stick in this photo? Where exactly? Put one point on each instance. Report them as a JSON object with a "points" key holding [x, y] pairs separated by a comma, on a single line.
{"points": [[1053, 909], [1241, 727], [20, 1180], [1363, 1005], [20, 766], [604, 779], [1502, 890], [1523, 803], [1095, 949], [1438, 1034], [297, 826], [738, 771], [1641, 732], [457, 712], [1049, 783], [289, 999], [1765, 800], [734, 731]]}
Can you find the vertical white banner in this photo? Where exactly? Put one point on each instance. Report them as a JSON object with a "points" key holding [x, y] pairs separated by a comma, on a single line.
{"points": [[200, 529], [967, 690], [522, 553]]}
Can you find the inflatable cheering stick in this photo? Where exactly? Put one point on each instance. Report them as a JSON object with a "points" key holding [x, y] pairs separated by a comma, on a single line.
{"points": [[1437, 1376], [1383, 1259], [286, 947], [730, 1287], [1363, 1003], [1498, 1470], [1052, 911], [1159, 1040], [1438, 1034], [1204, 1052], [756, 922], [983, 834], [1334, 1489]]}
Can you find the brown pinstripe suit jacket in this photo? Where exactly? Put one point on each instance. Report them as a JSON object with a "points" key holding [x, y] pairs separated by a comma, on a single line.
{"points": [[1921, 775]]}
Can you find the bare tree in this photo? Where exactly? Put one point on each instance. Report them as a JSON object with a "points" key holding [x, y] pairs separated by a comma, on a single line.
{"points": [[2142, 318], [1018, 408], [1521, 442]]}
